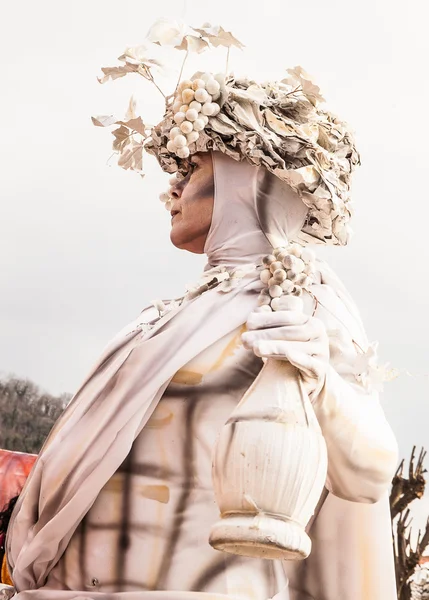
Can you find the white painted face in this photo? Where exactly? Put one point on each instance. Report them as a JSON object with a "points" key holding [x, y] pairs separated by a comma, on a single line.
{"points": [[192, 200]]}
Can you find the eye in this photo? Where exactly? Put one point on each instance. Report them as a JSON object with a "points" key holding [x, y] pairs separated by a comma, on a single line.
{"points": [[192, 165]]}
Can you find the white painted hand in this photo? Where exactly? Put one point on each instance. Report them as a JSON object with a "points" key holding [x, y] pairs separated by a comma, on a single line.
{"points": [[294, 336]]}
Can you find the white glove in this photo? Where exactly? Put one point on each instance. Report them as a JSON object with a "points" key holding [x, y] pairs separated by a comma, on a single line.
{"points": [[294, 336]]}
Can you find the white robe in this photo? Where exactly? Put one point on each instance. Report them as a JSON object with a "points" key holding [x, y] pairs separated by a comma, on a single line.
{"points": [[93, 438], [351, 556]]}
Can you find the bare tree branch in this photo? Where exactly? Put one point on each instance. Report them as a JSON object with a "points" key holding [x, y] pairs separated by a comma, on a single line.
{"points": [[404, 491]]}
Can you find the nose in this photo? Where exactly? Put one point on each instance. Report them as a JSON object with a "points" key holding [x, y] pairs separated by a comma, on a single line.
{"points": [[176, 190]]}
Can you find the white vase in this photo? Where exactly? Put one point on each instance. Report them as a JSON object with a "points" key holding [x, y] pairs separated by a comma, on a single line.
{"points": [[269, 469]]}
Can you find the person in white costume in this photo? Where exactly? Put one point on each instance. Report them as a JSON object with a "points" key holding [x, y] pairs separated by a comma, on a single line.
{"points": [[120, 501]]}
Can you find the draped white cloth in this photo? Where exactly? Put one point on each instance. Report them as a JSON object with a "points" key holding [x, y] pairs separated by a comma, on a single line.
{"points": [[253, 212]]}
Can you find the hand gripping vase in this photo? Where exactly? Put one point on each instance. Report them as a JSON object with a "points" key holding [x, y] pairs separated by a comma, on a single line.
{"points": [[269, 468]]}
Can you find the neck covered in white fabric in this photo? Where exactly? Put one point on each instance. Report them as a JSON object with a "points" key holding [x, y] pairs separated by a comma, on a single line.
{"points": [[253, 212]]}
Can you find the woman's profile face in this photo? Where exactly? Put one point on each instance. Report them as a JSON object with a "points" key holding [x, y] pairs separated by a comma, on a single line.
{"points": [[192, 205]]}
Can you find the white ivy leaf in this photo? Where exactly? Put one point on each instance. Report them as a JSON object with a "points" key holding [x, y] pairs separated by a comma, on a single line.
{"points": [[104, 120], [129, 148], [132, 65], [193, 43], [131, 157], [139, 55], [299, 76], [121, 135], [135, 124], [217, 36], [134, 121], [168, 32], [312, 91], [135, 54], [373, 379], [376, 376], [116, 72], [364, 361], [367, 370], [131, 110]]}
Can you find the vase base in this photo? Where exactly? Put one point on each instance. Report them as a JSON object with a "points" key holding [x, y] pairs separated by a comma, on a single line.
{"points": [[260, 536]]}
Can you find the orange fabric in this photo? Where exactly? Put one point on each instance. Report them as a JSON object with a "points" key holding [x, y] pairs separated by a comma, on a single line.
{"points": [[14, 470], [5, 577]]}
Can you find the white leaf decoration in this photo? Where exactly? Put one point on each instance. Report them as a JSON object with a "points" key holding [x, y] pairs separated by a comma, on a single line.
{"points": [[217, 36], [368, 372], [168, 32]]}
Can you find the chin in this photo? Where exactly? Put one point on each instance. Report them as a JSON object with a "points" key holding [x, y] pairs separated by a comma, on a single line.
{"points": [[176, 239], [196, 246]]}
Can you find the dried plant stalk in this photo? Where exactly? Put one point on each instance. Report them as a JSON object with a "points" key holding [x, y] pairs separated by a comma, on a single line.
{"points": [[404, 491]]}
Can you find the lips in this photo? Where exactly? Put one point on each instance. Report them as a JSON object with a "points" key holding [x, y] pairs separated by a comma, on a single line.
{"points": [[174, 213]]}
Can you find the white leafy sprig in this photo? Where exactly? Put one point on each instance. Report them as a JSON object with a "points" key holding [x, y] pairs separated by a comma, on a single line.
{"points": [[179, 35], [303, 81], [217, 36], [369, 372], [235, 277], [219, 277], [129, 137], [163, 308], [136, 59], [209, 280]]}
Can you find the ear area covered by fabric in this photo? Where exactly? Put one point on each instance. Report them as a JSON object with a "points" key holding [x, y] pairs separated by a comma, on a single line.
{"points": [[253, 213], [281, 212]]}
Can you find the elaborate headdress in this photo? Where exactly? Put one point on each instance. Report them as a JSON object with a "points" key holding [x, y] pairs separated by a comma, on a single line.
{"points": [[280, 125]]}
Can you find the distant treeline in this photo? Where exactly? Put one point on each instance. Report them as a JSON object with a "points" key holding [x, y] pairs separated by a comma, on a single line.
{"points": [[27, 414]]}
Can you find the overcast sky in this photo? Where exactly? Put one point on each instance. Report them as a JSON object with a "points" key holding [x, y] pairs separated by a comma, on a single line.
{"points": [[85, 246]]}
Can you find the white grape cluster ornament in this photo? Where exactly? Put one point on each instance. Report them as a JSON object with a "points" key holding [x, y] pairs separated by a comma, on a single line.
{"points": [[288, 271], [193, 105]]}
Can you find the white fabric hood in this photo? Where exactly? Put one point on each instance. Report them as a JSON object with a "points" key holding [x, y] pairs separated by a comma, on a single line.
{"points": [[253, 212]]}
